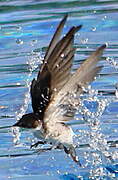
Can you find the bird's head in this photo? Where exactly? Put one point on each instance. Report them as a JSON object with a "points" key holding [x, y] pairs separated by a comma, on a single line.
{"points": [[29, 121]]}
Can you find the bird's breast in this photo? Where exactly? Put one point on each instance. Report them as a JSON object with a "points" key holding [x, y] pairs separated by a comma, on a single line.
{"points": [[60, 133]]}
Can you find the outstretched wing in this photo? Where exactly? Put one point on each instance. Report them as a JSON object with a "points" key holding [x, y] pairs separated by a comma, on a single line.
{"points": [[55, 70], [55, 37], [62, 107]]}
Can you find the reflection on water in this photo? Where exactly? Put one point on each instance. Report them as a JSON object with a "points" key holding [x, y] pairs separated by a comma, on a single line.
{"points": [[26, 28]]}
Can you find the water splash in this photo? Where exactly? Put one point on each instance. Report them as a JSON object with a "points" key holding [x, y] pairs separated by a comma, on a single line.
{"points": [[33, 61], [97, 139], [112, 62], [84, 41], [99, 153], [16, 135]]}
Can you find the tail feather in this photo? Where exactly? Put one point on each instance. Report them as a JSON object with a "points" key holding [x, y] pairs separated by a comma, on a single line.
{"points": [[71, 151]]}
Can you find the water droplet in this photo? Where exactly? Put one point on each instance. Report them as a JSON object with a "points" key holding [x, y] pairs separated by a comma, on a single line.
{"points": [[116, 92], [19, 41], [15, 134], [107, 44], [18, 84], [55, 89], [94, 29], [33, 42], [62, 55], [57, 65], [97, 172], [112, 62], [84, 41], [104, 18]]}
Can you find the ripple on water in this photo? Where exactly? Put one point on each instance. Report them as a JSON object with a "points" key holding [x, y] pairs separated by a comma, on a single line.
{"points": [[25, 31]]}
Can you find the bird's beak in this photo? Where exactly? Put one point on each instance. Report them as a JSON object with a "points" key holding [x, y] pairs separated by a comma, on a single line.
{"points": [[5, 127]]}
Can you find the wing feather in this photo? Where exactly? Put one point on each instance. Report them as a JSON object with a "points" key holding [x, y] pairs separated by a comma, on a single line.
{"points": [[59, 53], [61, 106], [55, 37], [86, 72]]}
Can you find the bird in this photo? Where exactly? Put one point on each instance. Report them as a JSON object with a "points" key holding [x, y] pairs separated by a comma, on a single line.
{"points": [[54, 88]]}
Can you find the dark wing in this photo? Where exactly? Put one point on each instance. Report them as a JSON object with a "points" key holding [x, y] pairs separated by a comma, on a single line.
{"points": [[59, 62], [40, 92], [55, 70], [64, 103], [55, 37]]}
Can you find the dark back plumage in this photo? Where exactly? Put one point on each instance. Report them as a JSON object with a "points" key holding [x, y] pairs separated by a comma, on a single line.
{"points": [[55, 70]]}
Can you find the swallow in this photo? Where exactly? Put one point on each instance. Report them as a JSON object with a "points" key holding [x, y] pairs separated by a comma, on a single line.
{"points": [[55, 87]]}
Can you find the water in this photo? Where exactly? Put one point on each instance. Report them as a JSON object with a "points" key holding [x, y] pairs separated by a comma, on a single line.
{"points": [[26, 28]]}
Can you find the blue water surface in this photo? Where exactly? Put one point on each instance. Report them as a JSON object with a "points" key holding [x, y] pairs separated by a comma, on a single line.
{"points": [[26, 28]]}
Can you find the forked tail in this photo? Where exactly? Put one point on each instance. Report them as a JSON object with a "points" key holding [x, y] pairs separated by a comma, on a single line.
{"points": [[71, 151]]}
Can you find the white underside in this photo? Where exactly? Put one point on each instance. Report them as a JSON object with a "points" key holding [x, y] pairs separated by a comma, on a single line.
{"points": [[57, 135]]}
